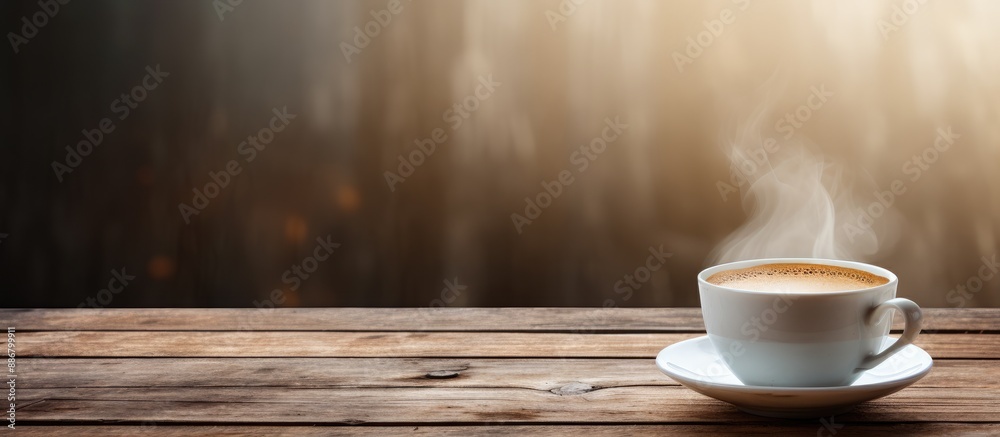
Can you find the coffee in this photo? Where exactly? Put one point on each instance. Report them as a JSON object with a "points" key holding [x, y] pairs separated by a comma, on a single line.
{"points": [[825, 329], [796, 278]]}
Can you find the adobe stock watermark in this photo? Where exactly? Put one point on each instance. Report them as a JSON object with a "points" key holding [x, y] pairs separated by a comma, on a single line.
{"points": [[625, 287], [915, 167], [794, 120], [960, 296], [633, 282], [248, 149], [293, 278], [751, 329], [581, 158], [3, 236], [827, 426], [119, 280], [900, 15], [371, 30], [455, 116], [562, 12], [123, 107], [225, 6], [897, 363], [11, 377], [31, 27], [746, 165], [451, 291], [697, 44]]}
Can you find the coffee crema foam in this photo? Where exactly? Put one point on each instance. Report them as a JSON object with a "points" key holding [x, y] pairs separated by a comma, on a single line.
{"points": [[796, 278]]}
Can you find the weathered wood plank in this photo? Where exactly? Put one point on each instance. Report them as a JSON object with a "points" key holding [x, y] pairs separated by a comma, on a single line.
{"points": [[358, 319], [405, 344], [535, 374], [391, 388], [540, 374], [638, 404], [730, 429], [419, 319]]}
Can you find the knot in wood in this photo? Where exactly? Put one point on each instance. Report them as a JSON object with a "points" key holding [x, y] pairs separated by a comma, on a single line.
{"points": [[573, 388], [442, 374]]}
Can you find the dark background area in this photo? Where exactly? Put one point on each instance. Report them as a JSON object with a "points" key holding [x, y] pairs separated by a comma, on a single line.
{"points": [[323, 176]]}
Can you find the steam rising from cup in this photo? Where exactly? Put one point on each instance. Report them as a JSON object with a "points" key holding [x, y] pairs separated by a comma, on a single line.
{"points": [[798, 201]]}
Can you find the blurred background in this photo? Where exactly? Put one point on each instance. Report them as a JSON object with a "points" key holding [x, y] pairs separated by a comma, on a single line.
{"points": [[639, 105]]}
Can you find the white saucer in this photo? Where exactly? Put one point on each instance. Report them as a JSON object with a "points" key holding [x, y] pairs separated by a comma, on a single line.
{"points": [[695, 364]]}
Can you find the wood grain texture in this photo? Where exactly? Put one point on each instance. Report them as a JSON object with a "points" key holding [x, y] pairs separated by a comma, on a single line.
{"points": [[405, 344], [573, 320], [535, 374], [509, 371], [359, 319], [377, 405], [810, 428]]}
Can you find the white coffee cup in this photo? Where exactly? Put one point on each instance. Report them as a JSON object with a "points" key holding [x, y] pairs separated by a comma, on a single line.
{"points": [[807, 338]]}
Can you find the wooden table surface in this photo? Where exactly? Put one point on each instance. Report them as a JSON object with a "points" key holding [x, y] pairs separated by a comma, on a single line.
{"points": [[461, 371]]}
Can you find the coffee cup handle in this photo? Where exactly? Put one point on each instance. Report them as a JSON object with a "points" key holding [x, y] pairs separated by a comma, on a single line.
{"points": [[913, 320]]}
